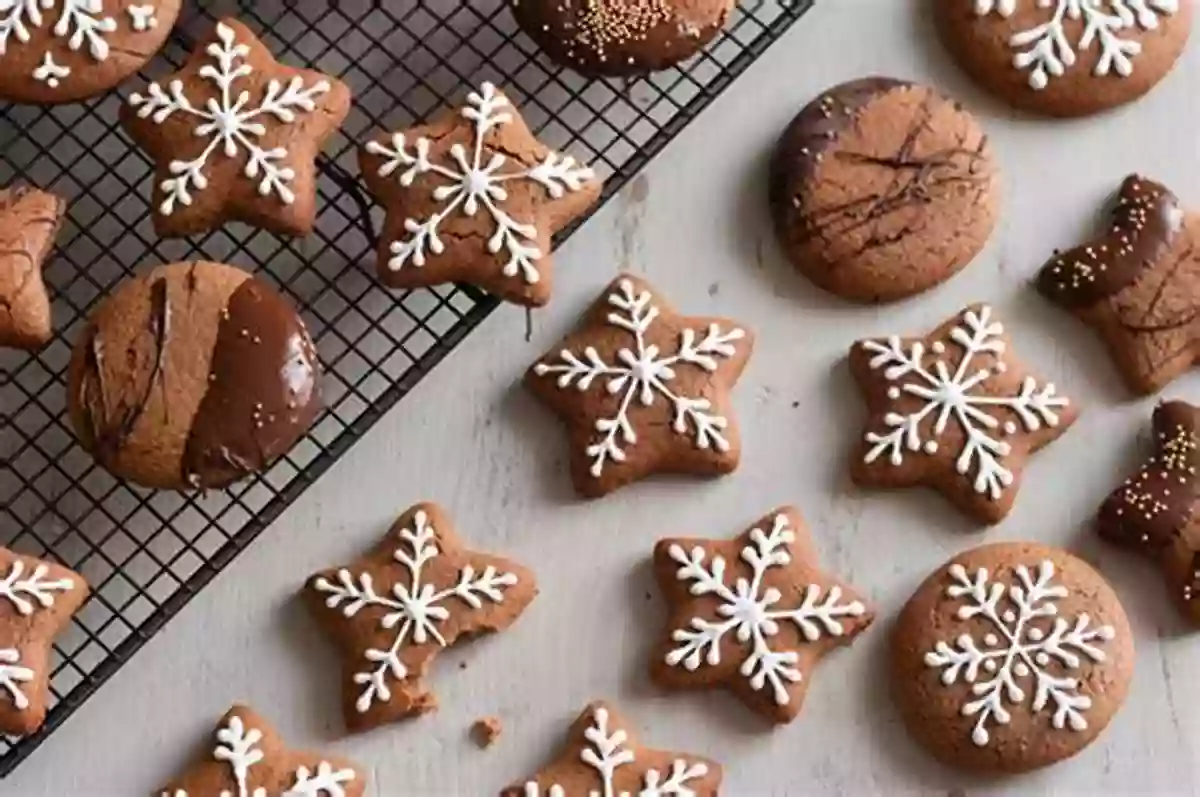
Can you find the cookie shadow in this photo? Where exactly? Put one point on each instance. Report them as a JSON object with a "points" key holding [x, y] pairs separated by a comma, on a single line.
{"points": [[544, 440], [320, 716]]}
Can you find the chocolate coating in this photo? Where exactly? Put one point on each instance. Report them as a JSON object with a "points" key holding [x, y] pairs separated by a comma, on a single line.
{"points": [[192, 375], [1145, 221], [617, 38], [1155, 505], [262, 392]]}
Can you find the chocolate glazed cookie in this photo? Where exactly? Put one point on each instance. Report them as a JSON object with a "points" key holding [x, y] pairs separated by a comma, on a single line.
{"points": [[881, 189], [617, 38], [1136, 284], [193, 375]]}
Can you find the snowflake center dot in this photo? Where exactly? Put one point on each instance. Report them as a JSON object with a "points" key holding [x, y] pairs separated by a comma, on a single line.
{"points": [[476, 182]]}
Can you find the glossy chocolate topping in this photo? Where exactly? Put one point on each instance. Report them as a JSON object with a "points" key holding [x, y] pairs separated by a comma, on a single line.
{"points": [[262, 389], [804, 143], [1156, 504], [1144, 223]]}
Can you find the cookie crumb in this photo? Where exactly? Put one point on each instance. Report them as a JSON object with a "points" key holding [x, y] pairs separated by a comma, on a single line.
{"points": [[485, 731]]}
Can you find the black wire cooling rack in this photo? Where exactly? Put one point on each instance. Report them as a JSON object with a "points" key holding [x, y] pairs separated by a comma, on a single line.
{"points": [[147, 553]]}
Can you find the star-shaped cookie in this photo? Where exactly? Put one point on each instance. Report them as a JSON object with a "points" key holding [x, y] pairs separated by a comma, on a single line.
{"points": [[234, 136], [1154, 511], [474, 197], [29, 221], [393, 610], [250, 760], [602, 757], [955, 411], [37, 600], [644, 389], [1137, 285], [754, 614]]}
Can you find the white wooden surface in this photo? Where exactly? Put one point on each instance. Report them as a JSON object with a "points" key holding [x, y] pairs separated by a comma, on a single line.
{"points": [[696, 225]]}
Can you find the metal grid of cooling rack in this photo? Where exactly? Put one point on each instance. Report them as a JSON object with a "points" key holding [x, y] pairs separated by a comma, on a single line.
{"points": [[147, 553]]}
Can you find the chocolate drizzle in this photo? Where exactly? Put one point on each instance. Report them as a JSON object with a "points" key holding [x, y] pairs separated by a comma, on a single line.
{"points": [[109, 435], [262, 393], [1143, 226], [917, 173], [811, 134]]}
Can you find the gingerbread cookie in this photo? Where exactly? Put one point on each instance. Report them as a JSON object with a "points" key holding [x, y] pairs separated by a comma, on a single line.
{"points": [[393, 610], [881, 189], [251, 760], [643, 389], [754, 614], [1154, 510], [29, 222], [55, 51], [1010, 657], [192, 375], [1135, 284], [37, 600], [602, 756], [234, 136], [618, 38], [1065, 57], [956, 411], [474, 197]]}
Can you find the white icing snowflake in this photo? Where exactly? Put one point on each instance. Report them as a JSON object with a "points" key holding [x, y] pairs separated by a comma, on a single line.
{"points": [[230, 122], [644, 372], [606, 752], [142, 18], [415, 607], [27, 592], [238, 747], [80, 22], [472, 183], [1046, 51], [951, 395], [752, 613], [1017, 647]]}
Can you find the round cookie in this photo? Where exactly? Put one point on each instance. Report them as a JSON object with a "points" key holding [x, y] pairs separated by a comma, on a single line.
{"points": [[54, 51], [616, 38], [1062, 57], [1010, 657], [192, 375], [880, 189]]}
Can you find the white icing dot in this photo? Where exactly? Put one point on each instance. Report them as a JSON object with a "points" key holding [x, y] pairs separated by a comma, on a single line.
{"points": [[1042, 658], [991, 640], [930, 447], [1021, 669], [1036, 634], [1009, 616], [938, 347], [893, 393], [1010, 427], [990, 665]]}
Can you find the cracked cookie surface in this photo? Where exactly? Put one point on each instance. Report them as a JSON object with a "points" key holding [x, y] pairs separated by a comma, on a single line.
{"points": [[881, 189]]}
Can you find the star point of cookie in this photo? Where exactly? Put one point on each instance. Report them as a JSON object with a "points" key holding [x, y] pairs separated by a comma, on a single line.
{"points": [[29, 221], [1136, 284], [644, 389], [37, 600], [474, 197], [250, 759], [956, 411], [754, 614], [602, 757], [419, 591], [234, 136], [1154, 510]]}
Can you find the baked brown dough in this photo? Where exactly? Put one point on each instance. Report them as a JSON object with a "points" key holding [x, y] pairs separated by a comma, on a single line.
{"points": [[29, 221], [192, 375]]}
